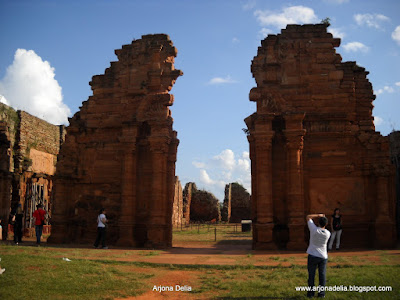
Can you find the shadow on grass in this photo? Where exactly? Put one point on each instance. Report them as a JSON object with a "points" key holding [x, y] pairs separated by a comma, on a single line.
{"points": [[244, 298]]}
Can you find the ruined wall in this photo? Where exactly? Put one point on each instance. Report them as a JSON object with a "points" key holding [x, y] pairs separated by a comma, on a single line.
{"points": [[313, 145], [29, 148], [204, 206], [10, 120], [177, 214], [5, 175], [120, 152], [395, 155], [237, 206], [187, 199]]}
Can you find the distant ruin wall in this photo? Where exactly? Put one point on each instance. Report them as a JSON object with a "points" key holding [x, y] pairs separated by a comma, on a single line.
{"points": [[204, 206], [120, 152], [177, 214], [313, 144], [236, 206], [187, 200]]}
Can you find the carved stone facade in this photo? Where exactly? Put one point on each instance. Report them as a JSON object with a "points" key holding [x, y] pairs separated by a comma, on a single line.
{"points": [[237, 206], [120, 152], [313, 144], [395, 154], [177, 214], [28, 154]]}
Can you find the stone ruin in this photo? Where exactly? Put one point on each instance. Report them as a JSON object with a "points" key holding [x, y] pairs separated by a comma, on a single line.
{"points": [[313, 144], [28, 154], [313, 147], [187, 199], [394, 138], [120, 152], [177, 210], [204, 206], [236, 206]]}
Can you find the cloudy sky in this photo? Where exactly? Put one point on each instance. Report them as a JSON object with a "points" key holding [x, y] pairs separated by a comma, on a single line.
{"points": [[51, 49]]}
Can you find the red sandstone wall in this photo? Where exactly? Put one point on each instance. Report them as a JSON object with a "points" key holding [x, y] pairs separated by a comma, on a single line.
{"points": [[187, 200], [120, 152], [313, 143], [177, 215]]}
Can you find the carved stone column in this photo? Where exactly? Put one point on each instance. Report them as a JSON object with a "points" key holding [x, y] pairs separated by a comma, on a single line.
{"points": [[295, 193], [384, 226], [128, 193], [156, 225], [263, 227], [172, 155]]}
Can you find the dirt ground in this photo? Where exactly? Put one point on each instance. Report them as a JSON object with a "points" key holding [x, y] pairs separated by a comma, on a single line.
{"points": [[200, 253], [197, 253]]}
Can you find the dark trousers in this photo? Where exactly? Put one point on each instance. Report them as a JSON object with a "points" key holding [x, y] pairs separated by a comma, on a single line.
{"points": [[39, 230], [101, 236], [17, 232], [312, 263]]}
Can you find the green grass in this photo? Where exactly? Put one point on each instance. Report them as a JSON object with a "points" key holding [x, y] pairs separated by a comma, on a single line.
{"points": [[32, 274], [35, 273], [226, 234], [150, 253], [280, 282]]}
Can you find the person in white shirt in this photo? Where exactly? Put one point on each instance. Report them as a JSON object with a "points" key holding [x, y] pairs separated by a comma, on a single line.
{"points": [[101, 229], [317, 252]]}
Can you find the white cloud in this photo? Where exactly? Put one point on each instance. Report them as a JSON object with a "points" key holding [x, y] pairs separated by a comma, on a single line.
{"points": [[221, 80], [263, 33], [289, 15], [222, 169], [235, 40], [355, 47], [396, 35], [336, 32], [3, 100], [250, 4], [371, 20], [29, 85], [226, 159], [205, 178], [378, 121], [385, 89], [397, 83]]}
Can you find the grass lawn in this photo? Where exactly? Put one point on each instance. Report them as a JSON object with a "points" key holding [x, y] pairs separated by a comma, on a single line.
{"points": [[225, 234], [41, 273]]}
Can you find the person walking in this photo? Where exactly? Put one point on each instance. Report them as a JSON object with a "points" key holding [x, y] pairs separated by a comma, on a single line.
{"points": [[1, 231], [101, 229], [336, 226], [39, 215], [19, 216], [317, 253]]}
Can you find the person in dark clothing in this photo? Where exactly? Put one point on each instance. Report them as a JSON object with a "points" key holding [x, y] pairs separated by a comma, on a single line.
{"points": [[336, 227], [101, 229], [19, 216]]}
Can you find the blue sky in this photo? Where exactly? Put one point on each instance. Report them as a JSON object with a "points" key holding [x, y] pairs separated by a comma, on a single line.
{"points": [[70, 41]]}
